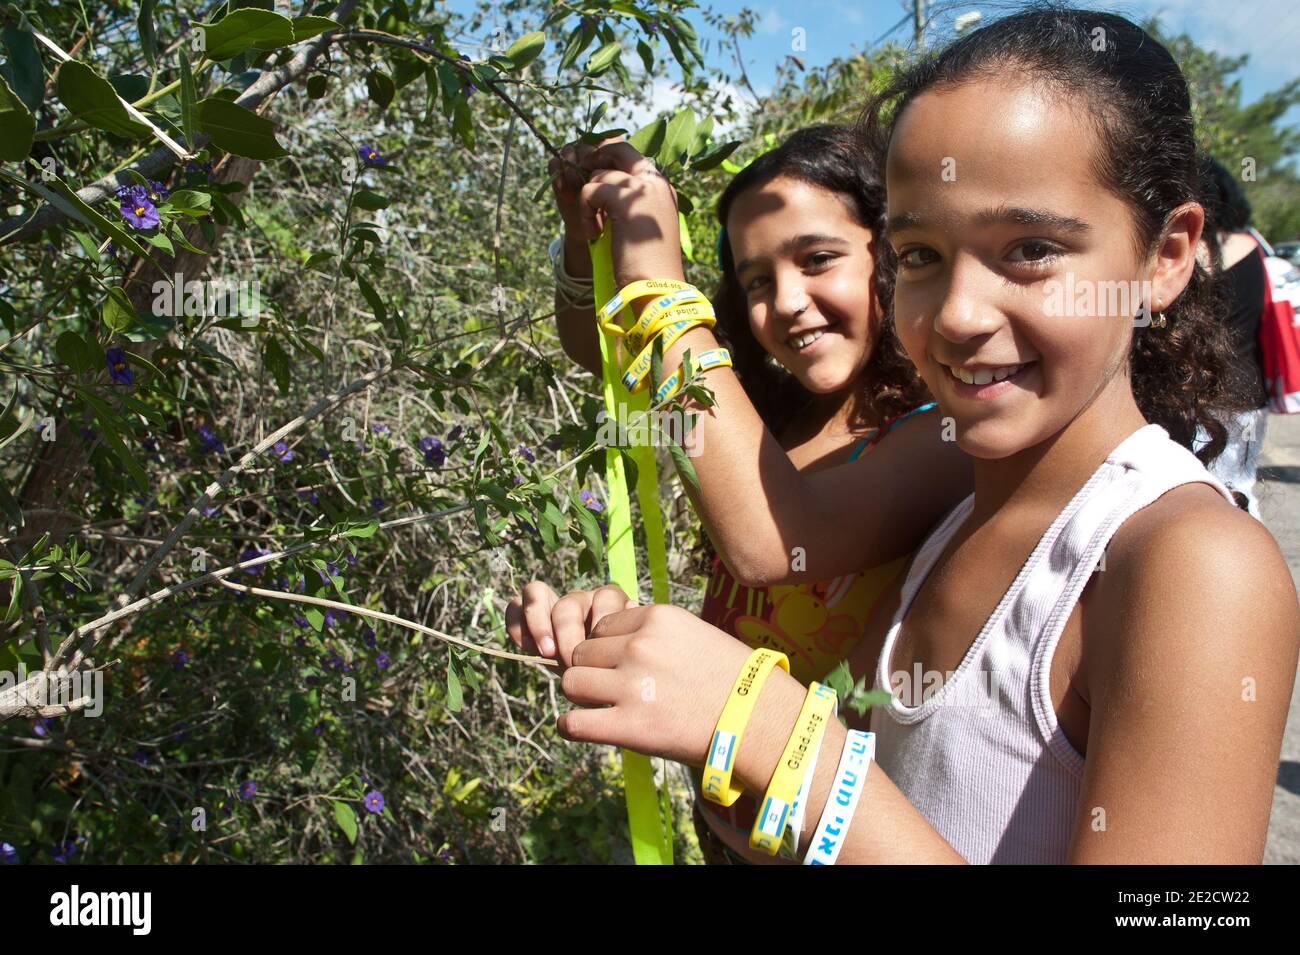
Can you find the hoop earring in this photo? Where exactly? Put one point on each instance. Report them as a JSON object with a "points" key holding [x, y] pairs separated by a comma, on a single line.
{"points": [[1158, 320]]}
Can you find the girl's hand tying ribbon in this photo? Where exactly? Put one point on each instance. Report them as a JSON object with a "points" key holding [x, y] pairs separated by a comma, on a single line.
{"points": [[649, 678]]}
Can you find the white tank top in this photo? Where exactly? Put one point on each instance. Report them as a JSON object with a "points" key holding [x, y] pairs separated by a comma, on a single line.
{"points": [[982, 757]]}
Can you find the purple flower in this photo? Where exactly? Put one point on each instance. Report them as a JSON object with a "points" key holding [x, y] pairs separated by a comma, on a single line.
{"points": [[41, 727], [469, 89], [377, 503], [304, 623], [252, 554], [518, 480], [368, 635], [179, 660], [383, 661], [455, 433], [65, 851], [352, 558], [282, 451], [140, 212], [444, 855], [589, 499], [374, 801], [323, 453], [370, 155], [157, 191], [527, 454], [318, 728], [118, 369], [433, 451], [210, 441], [140, 757], [209, 510], [604, 528], [333, 616], [309, 495], [8, 854], [381, 429], [247, 790], [185, 25]]}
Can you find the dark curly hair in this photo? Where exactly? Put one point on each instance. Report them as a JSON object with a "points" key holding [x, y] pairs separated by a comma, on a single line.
{"points": [[1184, 374], [831, 157]]}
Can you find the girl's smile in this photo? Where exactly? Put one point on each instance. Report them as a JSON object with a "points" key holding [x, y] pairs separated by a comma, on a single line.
{"points": [[986, 382]]}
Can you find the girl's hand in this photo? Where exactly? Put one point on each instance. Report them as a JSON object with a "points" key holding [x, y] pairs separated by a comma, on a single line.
{"points": [[659, 676], [541, 621], [627, 190], [567, 183]]}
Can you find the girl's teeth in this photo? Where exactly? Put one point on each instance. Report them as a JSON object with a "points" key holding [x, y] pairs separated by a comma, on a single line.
{"points": [[983, 376], [806, 339]]}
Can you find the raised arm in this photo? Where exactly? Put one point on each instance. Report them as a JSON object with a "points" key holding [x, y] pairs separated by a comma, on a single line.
{"points": [[770, 522]]}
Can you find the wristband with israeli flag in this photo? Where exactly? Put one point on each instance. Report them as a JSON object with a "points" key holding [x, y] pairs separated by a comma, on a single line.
{"points": [[715, 784], [706, 360], [799, 809], [636, 290], [850, 780], [819, 708]]}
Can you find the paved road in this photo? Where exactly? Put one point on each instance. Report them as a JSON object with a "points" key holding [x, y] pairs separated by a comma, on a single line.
{"points": [[1280, 503]]}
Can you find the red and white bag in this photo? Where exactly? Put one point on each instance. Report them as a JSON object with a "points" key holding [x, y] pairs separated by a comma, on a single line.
{"points": [[1279, 346]]}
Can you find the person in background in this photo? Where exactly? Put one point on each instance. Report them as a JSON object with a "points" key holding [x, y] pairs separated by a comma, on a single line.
{"points": [[1242, 280]]}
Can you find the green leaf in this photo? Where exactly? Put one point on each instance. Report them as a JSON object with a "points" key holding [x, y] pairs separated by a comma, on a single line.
{"points": [[526, 49], [238, 130], [455, 695], [148, 38], [17, 126], [365, 530], [316, 86], [647, 55], [590, 530], [681, 132], [649, 138], [381, 88], [372, 298], [277, 363], [24, 71], [347, 820], [578, 41], [119, 314], [714, 156], [462, 124], [244, 29], [684, 466], [603, 58], [190, 201], [189, 102], [304, 28], [92, 99], [370, 201], [74, 352]]}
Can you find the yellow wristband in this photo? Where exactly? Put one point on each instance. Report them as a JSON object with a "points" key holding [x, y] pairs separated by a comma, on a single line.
{"points": [[659, 314], [819, 708], [634, 378], [716, 782], [708, 359], [634, 291]]}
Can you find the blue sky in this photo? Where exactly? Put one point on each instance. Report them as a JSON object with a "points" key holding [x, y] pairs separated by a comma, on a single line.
{"points": [[1267, 30]]}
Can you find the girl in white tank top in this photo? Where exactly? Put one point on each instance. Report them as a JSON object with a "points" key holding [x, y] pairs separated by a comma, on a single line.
{"points": [[1043, 191]]}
